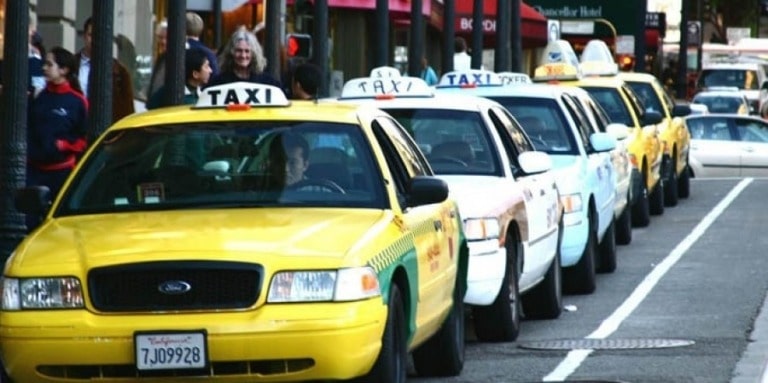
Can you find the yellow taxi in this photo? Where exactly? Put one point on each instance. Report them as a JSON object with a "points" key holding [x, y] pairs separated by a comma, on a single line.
{"points": [[243, 239], [622, 106], [674, 136]]}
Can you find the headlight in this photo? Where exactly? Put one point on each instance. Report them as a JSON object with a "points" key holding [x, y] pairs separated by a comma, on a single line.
{"points": [[42, 293], [571, 202], [328, 285], [478, 229]]}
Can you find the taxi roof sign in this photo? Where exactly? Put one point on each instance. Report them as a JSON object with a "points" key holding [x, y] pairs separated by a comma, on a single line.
{"points": [[385, 72], [558, 62], [514, 78], [469, 78], [597, 59], [556, 71], [241, 93], [379, 88]]}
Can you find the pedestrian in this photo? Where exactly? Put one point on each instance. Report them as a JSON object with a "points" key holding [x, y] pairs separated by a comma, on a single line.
{"points": [[197, 70], [36, 58], [57, 126], [243, 60], [305, 81], [122, 85], [461, 59], [157, 78], [427, 72], [195, 28]]}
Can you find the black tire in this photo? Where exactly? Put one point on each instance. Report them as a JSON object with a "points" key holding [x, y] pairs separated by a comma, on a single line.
{"points": [[684, 183], [443, 354], [545, 301], [624, 226], [500, 322], [670, 188], [656, 199], [641, 213], [580, 278], [392, 363], [607, 250]]}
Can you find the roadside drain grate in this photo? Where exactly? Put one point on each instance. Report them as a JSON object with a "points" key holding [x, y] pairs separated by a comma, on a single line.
{"points": [[604, 344]]}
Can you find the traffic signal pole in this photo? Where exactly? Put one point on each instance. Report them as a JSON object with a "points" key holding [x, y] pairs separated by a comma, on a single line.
{"points": [[449, 30], [273, 39], [381, 53], [503, 36], [517, 37], [682, 57], [320, 45], [477, 34], [416, 46], [100, 95]]}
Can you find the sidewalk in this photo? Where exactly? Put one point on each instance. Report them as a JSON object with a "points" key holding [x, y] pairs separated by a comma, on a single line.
{"points": [[751, 368]]}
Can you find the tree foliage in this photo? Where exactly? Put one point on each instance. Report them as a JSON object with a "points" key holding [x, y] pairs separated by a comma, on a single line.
{"points": [[722, 14]]}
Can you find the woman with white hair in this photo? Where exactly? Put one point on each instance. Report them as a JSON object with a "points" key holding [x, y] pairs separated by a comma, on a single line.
{"points": [[243, 60]]}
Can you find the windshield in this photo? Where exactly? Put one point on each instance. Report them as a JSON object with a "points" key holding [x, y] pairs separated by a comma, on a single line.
{"points": [[238, 164], [720, 103], [454, 141], [647, 96], [614, 106], [739, 78], [543, 121]]}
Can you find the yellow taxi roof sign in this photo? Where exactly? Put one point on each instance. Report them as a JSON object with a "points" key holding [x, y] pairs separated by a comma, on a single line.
{"points": [[597, 59], [385, 72], [513, 78], [558, 62], [380, 88], [470, 78], [242, 93], [556, 71]]}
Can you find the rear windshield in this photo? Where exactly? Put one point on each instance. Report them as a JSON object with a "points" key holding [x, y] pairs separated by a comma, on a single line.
{"points": [[739, 78], [235, 165]]}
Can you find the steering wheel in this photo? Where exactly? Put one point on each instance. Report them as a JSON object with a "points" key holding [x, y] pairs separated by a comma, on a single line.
{"points": [[449, 160], [325, 185]]}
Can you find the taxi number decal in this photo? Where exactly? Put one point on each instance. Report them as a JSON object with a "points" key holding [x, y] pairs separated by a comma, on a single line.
{"points": [[250, 96]]}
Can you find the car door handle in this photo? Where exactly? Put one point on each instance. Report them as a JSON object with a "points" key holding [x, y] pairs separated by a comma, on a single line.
{"points": [[749, 149]]}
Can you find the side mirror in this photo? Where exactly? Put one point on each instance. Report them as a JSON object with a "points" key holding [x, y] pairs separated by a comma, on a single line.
{"points": [[33, 200], [617, 131], [602, 142], [651, 118], [681, 110], [764, 86], [426, 190], [534, 162]]}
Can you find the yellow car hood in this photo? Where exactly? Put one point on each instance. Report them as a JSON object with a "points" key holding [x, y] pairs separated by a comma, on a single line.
{"points": [[240, 234]]}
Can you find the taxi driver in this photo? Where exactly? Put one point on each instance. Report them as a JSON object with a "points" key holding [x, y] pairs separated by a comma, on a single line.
{"points": [[296, 158]]}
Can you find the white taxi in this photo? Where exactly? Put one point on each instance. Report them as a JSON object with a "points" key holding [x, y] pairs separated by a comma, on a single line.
{"points": [[585, 176], [506, 195]]}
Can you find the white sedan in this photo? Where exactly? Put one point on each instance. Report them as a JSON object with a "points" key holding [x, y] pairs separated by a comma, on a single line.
{"points": [[728, 145]]}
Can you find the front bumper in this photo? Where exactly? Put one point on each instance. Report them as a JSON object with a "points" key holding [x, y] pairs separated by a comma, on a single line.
{"points": [[284, 342], [576, 227], [485, 274]]}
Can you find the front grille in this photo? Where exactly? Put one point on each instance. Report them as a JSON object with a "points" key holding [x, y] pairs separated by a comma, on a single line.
{"points": [[217, 369], [175, 285]]}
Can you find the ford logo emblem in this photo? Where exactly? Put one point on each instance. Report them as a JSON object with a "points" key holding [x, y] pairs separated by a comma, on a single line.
{"points": [[174, 287]]}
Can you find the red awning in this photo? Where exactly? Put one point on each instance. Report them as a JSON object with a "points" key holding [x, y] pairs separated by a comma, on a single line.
{"points": [[533, 28]]}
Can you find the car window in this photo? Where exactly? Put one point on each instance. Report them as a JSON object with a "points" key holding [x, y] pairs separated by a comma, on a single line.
{"points": [[709, 129], [415, 162], [454, 141], [720, 103], [205, 165], [612, 103], [752, 131], [583, 124], [543, 121], [520, 140], [647, 95], [728, 77]]}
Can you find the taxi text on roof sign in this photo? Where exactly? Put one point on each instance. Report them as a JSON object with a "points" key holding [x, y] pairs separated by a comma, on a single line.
{"points": [[469, 78], [367, 87], [241, 93], [513, 78]]}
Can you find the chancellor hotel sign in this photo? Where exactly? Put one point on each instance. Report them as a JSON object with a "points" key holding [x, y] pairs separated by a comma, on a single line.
{"points": [[573, 11], [622, 14]]}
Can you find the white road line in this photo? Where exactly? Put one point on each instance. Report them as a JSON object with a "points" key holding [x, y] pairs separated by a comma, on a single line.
{"points": [[574, 358]]}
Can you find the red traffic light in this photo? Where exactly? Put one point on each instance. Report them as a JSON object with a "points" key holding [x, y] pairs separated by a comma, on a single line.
{"points": [[298, 45]]}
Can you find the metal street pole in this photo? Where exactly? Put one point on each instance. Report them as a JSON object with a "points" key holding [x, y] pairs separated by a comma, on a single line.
{"points": [[416, 45], [699, 17], [477, 34], [13, 131], [273, 41], [503, 35], [217, 23], [174, 61], [517, 37], [682, 56], [320, 45], [449, 32], [100, 95], [642, 11], [381, 53]]}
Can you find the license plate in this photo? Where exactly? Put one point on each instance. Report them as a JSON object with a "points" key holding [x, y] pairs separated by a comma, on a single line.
{"points": [[171, 350]]}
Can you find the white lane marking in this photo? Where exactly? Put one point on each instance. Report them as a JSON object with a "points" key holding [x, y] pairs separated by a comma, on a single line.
{"points": [[575, 357]]}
